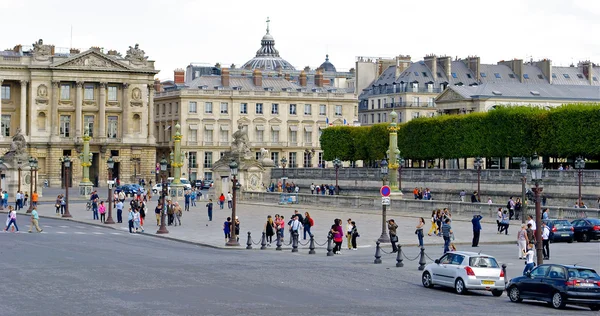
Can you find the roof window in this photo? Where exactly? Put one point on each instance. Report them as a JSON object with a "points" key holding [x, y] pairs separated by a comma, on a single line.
{"points": [[595, 78], [553, 75], [497, 75], [566, 76], [496, 92], [483, 75], [580, 76], [526, 76], [439, 74], [511, 76], [469, 76], [454, 75], [535, 92], [416, 73], [424, 74], [541, 76]]}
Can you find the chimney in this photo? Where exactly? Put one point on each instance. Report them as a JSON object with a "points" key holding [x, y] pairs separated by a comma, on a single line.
{"points": [[587, 68], [473, 65], [225, 77], [446, 62], [402, 63], [74, 51], [257, 77], [546, 67], [319, 79], [287, 77], [302, 78], [516, 65], [179, 76], [431, 63], [18, 49], [157, 85]]}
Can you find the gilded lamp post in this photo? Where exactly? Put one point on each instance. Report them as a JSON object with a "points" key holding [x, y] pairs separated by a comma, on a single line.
{"points": [[393, 154], [85, 186], [177, 159]]}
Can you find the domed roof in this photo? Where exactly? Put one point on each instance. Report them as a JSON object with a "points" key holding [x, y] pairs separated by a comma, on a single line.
{"points": [[327, 66], [267, 57]]}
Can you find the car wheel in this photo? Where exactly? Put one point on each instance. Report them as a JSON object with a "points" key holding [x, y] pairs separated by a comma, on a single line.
{"points": [[585, 237], [496, 293], [514, 294], [570, 241], [426, 279], [558, 300], [595, 308], [459, 286]]}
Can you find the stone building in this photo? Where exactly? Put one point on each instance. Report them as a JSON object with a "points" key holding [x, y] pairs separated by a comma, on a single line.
{"points": [[54, 95]]}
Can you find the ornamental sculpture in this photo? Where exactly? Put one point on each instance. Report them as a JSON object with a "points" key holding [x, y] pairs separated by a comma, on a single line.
{"points": [[136, 55], [239, 147], [41, 52]]}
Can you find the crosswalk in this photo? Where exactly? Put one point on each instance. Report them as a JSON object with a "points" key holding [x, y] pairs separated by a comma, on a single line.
{"points": [[78, 230]]}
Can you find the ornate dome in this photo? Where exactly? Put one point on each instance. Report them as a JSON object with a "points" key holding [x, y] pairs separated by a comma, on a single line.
{"points": [[327, 66], [267, 57]]}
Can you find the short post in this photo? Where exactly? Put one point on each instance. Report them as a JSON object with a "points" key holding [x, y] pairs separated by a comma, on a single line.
{"points": [[263, 242], [422, 261], [249, 242], [505, 276], [311, 247], [399, 263], [377, 253], [294, 241], [278, 242], [329, 247]]}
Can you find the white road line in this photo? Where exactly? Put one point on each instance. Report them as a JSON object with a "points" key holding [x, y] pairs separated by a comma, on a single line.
{"points": [[98, 233], [80, 233], [63, 226], [116, 234], [60, 232]]}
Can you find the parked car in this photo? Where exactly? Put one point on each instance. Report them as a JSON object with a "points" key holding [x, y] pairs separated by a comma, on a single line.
{"points": [[158, 187], [465, 271], [207, 184], [198, 184], [560, 230], [130, 189], [557, 285], [586, 229], [186, 183]]}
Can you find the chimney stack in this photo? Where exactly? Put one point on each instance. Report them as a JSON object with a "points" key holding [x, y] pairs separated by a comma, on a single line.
{"points": [[587, 69], [257, 77], [225, 77], [446, 63], [516, 65], [302, 78], [319, 79], [546, 66], [431, 62], [473, 65], [179, 76], [287, 77], [157, 85]]}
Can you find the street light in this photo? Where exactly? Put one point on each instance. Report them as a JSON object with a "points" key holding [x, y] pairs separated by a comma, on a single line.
{"points": [[536, 175], [478, 167], [110, 163], [384, 238], [19, 164], [163, 173], [232, 236], [579, 165], [1, 178], [523, 166], [337, 163], [400, 164], [66, 160], [283, 164], [32, 166]]}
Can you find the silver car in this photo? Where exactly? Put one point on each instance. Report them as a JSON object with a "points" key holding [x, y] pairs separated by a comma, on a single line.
{"points": [[465, 271]]}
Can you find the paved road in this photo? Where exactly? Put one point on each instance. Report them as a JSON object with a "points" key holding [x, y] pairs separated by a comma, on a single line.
{"points": [[75, 269]]}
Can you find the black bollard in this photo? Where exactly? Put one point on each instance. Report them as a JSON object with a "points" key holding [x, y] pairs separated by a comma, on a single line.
{"points": [[249, 242], [295, 241], [278, 242], [311, 247], [377, 253], [505, 276], [399, 263], [329, 247], [263, 242], [422, 261]]}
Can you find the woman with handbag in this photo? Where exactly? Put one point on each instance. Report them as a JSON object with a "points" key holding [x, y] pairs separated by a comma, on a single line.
{"points": [[338, 235], [419, 231], [392, 226]]}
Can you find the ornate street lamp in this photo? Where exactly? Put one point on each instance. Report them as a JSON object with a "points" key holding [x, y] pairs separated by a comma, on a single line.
{"points": [[232, 236], [400, 164], [536, 175], [163, 174], [283, 164], [384, 235], [32, 166], [66, 161], [523, 167], [337, 163], [579, 165], [110, 163], [478, 163]]}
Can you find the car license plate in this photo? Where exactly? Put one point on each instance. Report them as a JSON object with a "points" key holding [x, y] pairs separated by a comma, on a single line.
{"points": [[564, 235], [488, 282], [585, 284]]}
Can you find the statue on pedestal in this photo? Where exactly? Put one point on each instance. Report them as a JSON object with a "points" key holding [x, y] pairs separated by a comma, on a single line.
{"points": [[239, 147], [17, 147]]}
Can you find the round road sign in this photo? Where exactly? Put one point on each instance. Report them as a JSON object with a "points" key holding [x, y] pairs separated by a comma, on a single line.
{"points": [[385, 190]]}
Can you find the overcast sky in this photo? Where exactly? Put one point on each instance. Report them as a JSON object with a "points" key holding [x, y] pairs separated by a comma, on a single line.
{"points": [[175, 33]]}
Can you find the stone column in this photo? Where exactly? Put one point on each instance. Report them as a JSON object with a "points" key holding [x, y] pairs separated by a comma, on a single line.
{"points": [[151, 138], [102, 112], [393, 155], [54, 109], [125, 120], [1, 136], [23, 110], [79, 110]]}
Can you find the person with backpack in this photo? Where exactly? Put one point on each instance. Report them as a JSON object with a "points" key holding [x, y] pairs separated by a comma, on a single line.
{"points": [[308, 223]]}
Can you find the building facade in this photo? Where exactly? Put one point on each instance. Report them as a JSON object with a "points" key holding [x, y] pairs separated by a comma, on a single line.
{"points": [[53, 96]]}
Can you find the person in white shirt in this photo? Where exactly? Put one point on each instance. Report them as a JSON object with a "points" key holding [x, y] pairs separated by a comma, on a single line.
{"points": [[546, 241], [499, 219], [295, 227], [532, 222], [312, 188], [229, 200], [529, 259], [349, 228]]}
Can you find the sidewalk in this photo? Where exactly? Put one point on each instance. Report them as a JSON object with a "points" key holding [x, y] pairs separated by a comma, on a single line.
{"points": [[196, 228]]}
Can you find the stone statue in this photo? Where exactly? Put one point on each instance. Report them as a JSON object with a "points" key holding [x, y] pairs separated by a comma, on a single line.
{"points": [[41, 51], [17, 147], [264, 153], [265, 158], [136, 94], [239, 146], [136, 55], [42, 91]]}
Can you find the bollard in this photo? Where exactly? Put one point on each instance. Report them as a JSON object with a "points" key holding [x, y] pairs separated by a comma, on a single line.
{"points": [[311, 247], [295, 241], [249, 242], [399, 263], [329, 247], [377, 253], [278, 242], [505, 276], [263, 243], [422, 260]]}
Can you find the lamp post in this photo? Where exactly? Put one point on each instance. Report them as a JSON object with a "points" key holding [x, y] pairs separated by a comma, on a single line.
{"points": [[384, 238], [1, 178], [19, 163], [32, 166], [523, 166], [579, 165], [337, 163], [400, 164], [232, 236], [478, 167], [283, 164], [163, 173], [110, 163], [536, 176], [66, 160]]}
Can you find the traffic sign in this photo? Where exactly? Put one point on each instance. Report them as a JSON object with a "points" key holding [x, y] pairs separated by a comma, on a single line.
{"points": [[385, 190], [385, 200]]}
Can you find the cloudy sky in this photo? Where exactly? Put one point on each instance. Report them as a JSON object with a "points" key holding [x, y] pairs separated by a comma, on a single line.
{"points": [[175, 33]]}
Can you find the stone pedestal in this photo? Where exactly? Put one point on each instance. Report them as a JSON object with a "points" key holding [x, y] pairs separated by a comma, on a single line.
{"points": [[176, 191], [85, 189]]}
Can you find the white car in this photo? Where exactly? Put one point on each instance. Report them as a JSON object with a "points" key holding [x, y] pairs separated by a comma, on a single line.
{"points": [[157, 188], [186, 183], [465, 271]]}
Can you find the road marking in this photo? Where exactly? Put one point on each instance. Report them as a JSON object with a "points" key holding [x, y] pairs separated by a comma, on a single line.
{"points": [[98, 233], [48, 226], [63, 226], [116, 233], [80, 227], [80, 233], [60, 232]]}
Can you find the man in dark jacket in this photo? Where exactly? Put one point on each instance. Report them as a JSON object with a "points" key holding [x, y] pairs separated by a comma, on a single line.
{"points": [[476, 230]]}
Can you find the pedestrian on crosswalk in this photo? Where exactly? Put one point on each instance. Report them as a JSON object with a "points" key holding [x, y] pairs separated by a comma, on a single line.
{"points": [[35, 221], [12, 219]]}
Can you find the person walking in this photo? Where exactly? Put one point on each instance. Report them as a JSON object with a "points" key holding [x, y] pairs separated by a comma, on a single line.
{"points": [[476, 221], [546, 241], [229, 200], [157, 211], [522, 241], [187, 196], [308, 223], [349, 228], [237, 228], [35, 221], [446, 233], [193, 197], [269, 230], [170, 212], [510, 205], [354, 233], [119, 207], [504, 223], [137, 221], [499, 219], [130, 218], [529, 259], [178, 213], [209, 209], [433, 225], [227, 229], [392, 226], [25, 198], [102, 211], [419, 231], [530, 234], [221, 200], [12, 219]]}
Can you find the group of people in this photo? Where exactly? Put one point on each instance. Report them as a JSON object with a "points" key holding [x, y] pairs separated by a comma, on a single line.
{"points": [[297, 222], [420, 194], [441, 220], [172, 211], [11, 220], [324, 189]]}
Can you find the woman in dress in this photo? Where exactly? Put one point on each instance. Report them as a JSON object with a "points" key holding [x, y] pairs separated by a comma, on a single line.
{"points": [[269, 230]]}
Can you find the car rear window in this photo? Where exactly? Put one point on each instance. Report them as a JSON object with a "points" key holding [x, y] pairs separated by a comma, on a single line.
{"points": [[483, 262], [575, 273], [594, 221], [559, 224]]}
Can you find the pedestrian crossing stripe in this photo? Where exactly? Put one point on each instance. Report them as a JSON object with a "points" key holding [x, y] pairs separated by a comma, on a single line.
{"points": [[98, 233], [80, 233], [60, 232]]}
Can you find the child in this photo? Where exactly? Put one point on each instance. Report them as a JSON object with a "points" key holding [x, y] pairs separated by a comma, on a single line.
{"points": [[227, 229], [529, 259]]}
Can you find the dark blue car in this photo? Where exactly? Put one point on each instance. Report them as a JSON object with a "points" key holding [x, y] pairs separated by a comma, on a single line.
{"points": [[557, 285], [586, 229], [560, 230]]}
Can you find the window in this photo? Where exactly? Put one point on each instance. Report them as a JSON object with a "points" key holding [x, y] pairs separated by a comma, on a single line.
{"points": [[243, 108], [567, 76], [207, 175], [540, 76], [292, 109], [293, 136], [416, 74], [260, 136], [5, 125], [112, 93], [439, 74], [372, 118], [223, 135], [257, 155], [511, 76], [65, 125], [553, 75], [88, 92], [431, 102], [416, 115], [208, 157], [292, 160], [483, 74], [372, 104], [259, 108], [424, 74], [557, 272], [192, 107], [416, 101], [454, 75], [379, 103], [595, 78], [338, 110], [307, 160], [322, 109], [274, 136], [208, 135], [169, 108], [526, 76], [378, 117], [113, 126], [275, 157], [193, 135], [540, 271], [483, 262], [580, 76], [176, 107], [5, 92], [192, 159], [469, 76], [88, 123], [497, 75], [207, 107], [274, 108], [384, 117], [307, 136], [224, 108], [65, 91], [307, 109]]}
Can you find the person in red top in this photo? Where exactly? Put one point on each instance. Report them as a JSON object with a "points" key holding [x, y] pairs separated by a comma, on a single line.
{"points": [[308, 223], [221, 200]]}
